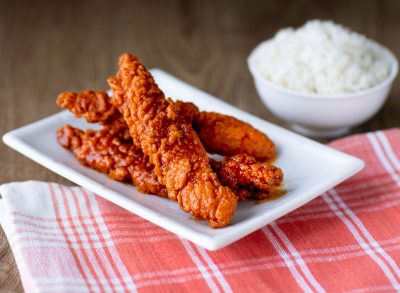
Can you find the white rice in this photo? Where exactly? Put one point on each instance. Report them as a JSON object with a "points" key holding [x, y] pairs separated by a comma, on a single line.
{"points": [[322, 57]]}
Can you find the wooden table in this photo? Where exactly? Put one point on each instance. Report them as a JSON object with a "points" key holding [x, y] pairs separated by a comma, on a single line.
{"points": [[47, 47]]}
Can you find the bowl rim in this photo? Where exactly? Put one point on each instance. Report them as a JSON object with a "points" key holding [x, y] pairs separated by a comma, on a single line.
{"points": [[389, 79]]}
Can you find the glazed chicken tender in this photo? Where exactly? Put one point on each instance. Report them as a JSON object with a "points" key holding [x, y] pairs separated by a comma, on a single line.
{"points": [[247, 177], [106, 153], [180, 160], [95, 107], [226, 135]]}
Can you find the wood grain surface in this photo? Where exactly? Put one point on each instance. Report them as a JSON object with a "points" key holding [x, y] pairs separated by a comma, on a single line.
{"points": [[47, 47]]}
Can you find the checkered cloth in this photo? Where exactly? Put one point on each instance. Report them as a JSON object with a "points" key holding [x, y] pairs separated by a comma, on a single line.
{"points": [[69, 240]]}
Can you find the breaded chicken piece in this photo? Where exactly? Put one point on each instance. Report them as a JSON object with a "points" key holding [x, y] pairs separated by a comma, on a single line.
{"points": [[226, 135], [106, 153], [247, 176], [180, 160], [221, 134], [95, 107]]}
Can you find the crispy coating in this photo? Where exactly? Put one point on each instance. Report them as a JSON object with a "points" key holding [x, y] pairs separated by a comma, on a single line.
{"points": [[106, 153], [248, 177], [186, 111], [221, 134], [95, 107], [180, 160], [226, 135]]}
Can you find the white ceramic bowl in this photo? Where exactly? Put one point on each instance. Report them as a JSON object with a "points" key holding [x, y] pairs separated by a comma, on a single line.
{"points": [[318, 115]]}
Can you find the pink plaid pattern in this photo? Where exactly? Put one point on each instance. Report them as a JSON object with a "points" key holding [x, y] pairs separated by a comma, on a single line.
{"points": [[69, 240]]}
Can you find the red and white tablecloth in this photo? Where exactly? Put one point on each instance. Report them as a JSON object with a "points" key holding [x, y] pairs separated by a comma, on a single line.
{"points": [[66, 239]]}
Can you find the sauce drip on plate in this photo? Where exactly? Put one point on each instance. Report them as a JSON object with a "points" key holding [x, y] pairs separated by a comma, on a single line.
{"points": [[274, 194]]}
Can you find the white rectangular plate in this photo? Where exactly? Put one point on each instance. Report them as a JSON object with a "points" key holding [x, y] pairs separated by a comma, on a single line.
{"points": [[310, 169]]}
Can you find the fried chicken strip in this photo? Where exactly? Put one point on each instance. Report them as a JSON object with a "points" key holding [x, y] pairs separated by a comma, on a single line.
{"points": [[247, 177], [95, 107], [221, 134], [180, 160], [226, 135], [108, 154]]}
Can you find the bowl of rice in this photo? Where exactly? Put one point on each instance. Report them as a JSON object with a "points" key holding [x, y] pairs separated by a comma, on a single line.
{"points": [[322, 78]]}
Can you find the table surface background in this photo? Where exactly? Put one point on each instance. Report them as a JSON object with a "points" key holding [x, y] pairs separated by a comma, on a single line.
{"points": [[47, 47]]}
